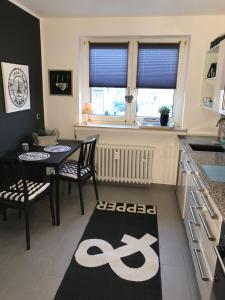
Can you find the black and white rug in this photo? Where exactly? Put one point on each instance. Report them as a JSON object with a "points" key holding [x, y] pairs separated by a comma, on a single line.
{"points": [[117, 257]]}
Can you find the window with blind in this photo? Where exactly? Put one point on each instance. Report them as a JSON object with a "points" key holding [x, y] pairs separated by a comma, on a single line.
{"points": [[146, 71], [108, 69], [156, 79]]}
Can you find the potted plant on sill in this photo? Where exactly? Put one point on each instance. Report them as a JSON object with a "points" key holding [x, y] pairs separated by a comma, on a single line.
{"points": [[164, 115]]}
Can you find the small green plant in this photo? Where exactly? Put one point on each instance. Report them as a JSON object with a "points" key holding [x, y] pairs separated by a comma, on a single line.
{"points": [[164, 110]]}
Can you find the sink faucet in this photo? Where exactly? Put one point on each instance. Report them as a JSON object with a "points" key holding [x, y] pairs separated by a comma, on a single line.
{"points": [[221, 132]]}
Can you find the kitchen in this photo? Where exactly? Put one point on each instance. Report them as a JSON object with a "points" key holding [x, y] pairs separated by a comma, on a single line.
{"points": [[59, 48]]}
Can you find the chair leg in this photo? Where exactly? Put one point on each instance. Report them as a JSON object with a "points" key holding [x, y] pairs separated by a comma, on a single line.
{"points": [[81, 197], [69, 187], [27, 225], [52, 206], [95, 186]]}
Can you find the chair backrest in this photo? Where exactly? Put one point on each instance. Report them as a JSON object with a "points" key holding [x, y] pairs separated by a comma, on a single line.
{"points": [[13, 177], [87, 155]]}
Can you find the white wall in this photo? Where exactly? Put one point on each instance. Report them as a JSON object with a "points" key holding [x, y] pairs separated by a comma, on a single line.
{"points": [[60, 49]]}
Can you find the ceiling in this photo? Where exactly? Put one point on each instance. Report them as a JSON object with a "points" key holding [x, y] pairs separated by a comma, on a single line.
{"points": [[116, 8]]}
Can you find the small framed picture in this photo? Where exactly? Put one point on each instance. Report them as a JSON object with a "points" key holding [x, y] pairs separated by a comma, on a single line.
{"points": [[60, 82]]}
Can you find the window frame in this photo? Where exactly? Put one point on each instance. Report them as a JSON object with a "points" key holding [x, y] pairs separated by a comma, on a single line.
{"points": [[130, 113]]}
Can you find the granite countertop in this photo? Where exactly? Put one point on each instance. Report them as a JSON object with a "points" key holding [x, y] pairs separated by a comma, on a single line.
{"points": [[199, 158]]}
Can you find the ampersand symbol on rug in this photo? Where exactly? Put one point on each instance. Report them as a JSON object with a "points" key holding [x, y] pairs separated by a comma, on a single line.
{"points": [[113, 256]]}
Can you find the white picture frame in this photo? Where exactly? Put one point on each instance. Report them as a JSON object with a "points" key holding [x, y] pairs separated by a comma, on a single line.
{"points": [[16, 87]]}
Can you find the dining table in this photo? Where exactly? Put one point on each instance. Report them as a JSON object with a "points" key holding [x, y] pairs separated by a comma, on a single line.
{"points": [[53, 160]]}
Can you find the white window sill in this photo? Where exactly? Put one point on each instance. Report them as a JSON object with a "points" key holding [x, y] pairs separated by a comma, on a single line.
{"points": [[148, 126]]}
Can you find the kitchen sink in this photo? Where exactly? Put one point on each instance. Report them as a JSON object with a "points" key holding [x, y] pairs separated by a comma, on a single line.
{"points": [[208, 148]]}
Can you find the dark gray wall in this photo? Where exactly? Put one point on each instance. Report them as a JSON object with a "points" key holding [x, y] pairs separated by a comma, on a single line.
{"points": [[20, 44]]}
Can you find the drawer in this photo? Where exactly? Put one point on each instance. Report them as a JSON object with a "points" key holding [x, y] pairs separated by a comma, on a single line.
{"points": [[211, 214], [192, 227], [207, 240], [199, 231], [203, 276]]}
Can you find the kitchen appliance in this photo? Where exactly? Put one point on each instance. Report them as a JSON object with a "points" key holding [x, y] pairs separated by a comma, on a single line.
{"points": [[218, 289]]}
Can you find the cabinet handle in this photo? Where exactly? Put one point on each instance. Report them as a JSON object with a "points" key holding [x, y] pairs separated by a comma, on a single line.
{"points": [[194, 239], [219, 259], [181, 164], [199, 188], [207, 229], [188, 164], [209, 208], [194, 217], [195, 199], [200, 265]]}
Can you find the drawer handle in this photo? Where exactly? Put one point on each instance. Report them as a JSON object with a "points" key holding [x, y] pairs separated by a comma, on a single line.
{"points": [[195, 199], [194, 217], [194, 239], [219, 259], [209, 208], [200, 264], [197, 183], [181, 164], [190, 170], [207, 229]]}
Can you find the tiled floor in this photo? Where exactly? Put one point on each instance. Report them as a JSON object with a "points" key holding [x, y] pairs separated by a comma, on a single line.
{"points": [[36, 274]]}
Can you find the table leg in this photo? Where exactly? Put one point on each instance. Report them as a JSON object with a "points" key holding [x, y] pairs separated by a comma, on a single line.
{"points": [[57, 196]]}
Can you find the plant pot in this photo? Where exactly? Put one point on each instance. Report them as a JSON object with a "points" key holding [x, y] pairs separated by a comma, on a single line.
{"points": [[164, 118]]}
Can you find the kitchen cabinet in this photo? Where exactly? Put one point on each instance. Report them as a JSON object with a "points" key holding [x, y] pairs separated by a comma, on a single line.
{"points": [[214, 79], [202, 222]]}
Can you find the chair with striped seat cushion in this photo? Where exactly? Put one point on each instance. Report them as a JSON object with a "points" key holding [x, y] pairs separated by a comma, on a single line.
{"points": [[17, 191], [70, 169], [81, 170], [33, 189]]}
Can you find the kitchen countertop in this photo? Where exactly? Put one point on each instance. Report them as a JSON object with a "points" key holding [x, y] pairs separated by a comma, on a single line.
{"points": [[199, 158]]}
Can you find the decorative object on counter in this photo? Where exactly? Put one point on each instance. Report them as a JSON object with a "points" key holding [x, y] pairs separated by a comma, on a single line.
{"points": [[57, 148], [16, 87], [212, 71], [45, 137], [221, 132], [164, 115], [217, 40], [60, 82], [32, 156], [86, 111], [25, 147]]}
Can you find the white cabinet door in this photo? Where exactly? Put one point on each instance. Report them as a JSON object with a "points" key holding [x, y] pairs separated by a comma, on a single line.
{"points": [[181, 188]]}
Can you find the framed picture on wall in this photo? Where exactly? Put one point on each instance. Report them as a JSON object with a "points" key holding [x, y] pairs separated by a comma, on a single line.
{"points": [[16, 87], [60, 82]]}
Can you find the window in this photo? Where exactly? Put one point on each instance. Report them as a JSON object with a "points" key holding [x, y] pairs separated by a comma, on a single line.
{"points": [[149, 72], [108, 69], [156, 77]]}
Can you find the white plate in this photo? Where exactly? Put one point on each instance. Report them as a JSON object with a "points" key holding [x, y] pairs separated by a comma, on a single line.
{"points": [[32, 156], [57, 148]]}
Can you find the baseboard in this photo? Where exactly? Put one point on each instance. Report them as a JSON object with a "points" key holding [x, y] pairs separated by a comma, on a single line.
{"points": [[152, 185]]}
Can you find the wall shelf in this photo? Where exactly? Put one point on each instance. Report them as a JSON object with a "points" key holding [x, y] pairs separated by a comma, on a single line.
{"points": [[213, 87]]}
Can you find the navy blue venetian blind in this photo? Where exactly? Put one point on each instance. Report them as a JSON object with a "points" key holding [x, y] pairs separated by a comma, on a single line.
{"points": [[108, 64], [157, 65]]}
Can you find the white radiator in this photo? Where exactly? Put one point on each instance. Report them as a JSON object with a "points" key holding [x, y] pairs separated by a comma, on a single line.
{"points": [[124, 163]]}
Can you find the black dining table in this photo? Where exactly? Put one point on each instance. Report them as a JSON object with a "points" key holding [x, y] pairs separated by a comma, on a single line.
{"points": [[54, 161]]}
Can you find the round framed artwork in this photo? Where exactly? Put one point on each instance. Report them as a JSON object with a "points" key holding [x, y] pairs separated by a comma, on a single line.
{"points": [[16, 87]]}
